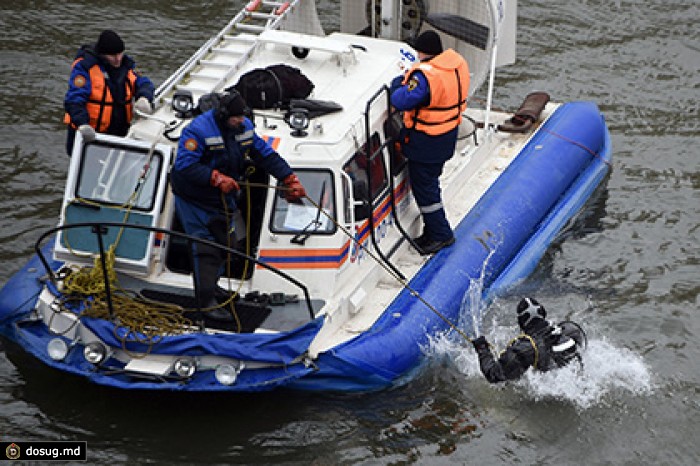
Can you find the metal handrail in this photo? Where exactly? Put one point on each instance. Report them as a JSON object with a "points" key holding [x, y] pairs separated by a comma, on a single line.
{"points": [[370, 156], [100, 228]]}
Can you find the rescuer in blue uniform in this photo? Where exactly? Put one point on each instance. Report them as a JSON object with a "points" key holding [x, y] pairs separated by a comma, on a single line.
{"points": [[542, 345], [213, 151], [432, 95], [104, 87]]}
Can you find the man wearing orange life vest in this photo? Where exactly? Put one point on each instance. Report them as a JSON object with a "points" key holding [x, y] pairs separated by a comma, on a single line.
{"points": [[104, 88], [432, 95]]}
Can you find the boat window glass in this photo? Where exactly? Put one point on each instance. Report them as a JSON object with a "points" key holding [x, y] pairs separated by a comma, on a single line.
{"points": [[303, 216], [111, 174], [356, 168]]}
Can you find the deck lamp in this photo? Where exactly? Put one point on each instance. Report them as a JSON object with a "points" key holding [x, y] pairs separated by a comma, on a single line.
{"points": [[183, 103], [95, 352], [57, 349], [298, 120], [226, 374], [185, 367]]}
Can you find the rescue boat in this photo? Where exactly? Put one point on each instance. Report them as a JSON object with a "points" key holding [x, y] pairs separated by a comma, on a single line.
{"points": [[329, 294]]}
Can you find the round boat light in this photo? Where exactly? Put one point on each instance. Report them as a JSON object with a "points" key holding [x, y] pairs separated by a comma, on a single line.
{"points": [[226, 374], [185, 367], [57, 349], [183, 103], [298, 120], [95, 352]]}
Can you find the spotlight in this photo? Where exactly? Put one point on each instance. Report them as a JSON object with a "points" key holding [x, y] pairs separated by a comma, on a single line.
{"points": [[95, 352], [183, 104], [226, 374], [185, 367], [298, 120], [57, 349]]}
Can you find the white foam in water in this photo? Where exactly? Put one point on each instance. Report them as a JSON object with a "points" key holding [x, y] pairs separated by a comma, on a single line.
{"points": [[606, 368]]}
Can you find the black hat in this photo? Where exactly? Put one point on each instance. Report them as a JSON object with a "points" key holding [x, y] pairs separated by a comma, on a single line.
{"points": [[109, 43], [429, 43], [531, 314], [232, 104]]}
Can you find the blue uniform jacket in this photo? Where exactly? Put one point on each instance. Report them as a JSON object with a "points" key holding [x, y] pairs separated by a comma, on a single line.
{"points": [[417, 145], [77, 97], [205, 146]]}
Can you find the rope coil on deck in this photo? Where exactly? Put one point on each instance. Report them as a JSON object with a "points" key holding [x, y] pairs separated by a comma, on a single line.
{"points": [[136, 318]]}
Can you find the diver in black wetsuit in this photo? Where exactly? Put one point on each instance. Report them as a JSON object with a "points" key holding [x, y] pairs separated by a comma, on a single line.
{"points": [[543, 345]]}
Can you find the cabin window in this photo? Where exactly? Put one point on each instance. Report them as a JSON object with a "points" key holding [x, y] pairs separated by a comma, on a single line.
{"points": [[295, 218], [359, 170], [356, 168], [113, 175]]}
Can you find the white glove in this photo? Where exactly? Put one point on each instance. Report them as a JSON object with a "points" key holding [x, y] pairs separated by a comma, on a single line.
{"points": [[88, 132], [143, 106]]}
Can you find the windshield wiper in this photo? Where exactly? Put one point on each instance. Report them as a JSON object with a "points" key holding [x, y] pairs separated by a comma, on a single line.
{"points": [[313, 225]]}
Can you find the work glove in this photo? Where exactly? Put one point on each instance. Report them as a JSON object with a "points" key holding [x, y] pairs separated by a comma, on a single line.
{"points": [[480, 344], [143, 105], [87, 132], [295, 190], [225, 183]]}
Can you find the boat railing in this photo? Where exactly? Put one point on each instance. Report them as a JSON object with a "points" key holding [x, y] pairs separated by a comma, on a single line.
{"points": [[99, 229], [372, 153]]}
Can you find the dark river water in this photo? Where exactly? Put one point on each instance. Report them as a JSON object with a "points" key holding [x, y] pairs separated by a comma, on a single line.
{"points": [[628, 270]]}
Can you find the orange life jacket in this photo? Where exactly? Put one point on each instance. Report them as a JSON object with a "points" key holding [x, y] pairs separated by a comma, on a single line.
{"points": [[100, 103], [448, 78]]}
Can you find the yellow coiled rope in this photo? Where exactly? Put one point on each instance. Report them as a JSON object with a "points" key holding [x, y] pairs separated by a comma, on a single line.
{"points": [[136, 318]]}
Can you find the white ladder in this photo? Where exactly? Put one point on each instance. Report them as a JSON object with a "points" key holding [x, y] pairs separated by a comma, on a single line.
{"points": [[222, 56]]}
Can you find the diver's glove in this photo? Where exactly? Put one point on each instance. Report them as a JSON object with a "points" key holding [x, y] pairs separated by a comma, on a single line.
{"points": [[87, 132], [480, 344], [143, 105], [225, 183], [295, 190]]}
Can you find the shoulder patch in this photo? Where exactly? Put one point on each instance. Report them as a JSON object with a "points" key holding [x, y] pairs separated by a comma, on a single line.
{"points": [[412, 84], [191, 144], [79, 81]]}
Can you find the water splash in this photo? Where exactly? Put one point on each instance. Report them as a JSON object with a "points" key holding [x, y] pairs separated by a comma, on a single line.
{"points": [[607, 370], [474, 305]]}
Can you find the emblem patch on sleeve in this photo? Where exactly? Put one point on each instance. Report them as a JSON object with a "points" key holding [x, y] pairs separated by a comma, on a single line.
{"points": [[191, 144], [79, 81], [412, 84]]}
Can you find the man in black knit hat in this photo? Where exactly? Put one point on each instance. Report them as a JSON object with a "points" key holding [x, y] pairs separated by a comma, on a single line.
{"points": [[432, 95], [104, 89], [542, 345], [211, 158]]}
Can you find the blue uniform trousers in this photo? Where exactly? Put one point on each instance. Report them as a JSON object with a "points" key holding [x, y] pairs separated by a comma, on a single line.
{"points": [[425, 184]]}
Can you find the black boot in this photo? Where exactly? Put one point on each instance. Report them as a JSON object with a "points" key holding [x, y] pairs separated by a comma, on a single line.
{"points": [[208, 262]]}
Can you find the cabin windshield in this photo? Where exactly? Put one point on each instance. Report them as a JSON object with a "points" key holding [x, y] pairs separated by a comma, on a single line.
{"points": [[111, 174], [306, 217]]}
